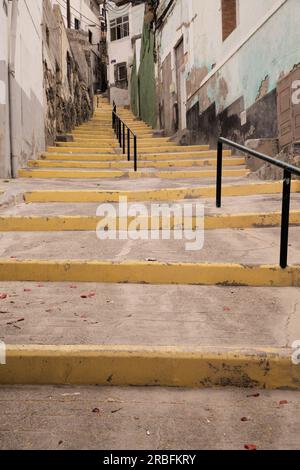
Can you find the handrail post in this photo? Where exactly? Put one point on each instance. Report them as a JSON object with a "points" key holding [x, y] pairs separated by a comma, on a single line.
{"points": [[135, 153], [219, 174], [120, 133], [128, 144], [124, 138], [285, 218]]}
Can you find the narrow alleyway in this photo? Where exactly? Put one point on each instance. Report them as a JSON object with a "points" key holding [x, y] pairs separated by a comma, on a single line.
{"points": [[111, 314]]}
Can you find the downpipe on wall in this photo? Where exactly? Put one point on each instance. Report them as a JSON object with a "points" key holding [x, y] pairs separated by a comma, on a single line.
{"points": [[13, 101]]}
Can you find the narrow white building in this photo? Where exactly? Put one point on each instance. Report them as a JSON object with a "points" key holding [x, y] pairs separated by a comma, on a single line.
{"points": [[124, 37]]}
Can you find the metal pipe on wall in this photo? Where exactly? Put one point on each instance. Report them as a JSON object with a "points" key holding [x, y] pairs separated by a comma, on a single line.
{"points": [[13, 103]]}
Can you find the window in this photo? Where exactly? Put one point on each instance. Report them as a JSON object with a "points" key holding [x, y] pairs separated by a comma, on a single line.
{"points": [[90, 37], [122, 73], [121, 78], [229, 17], [77, 23], [119, 28]]}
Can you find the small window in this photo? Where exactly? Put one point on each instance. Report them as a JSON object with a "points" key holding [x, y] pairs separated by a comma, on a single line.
{"points": [[90, 37], [119, 28], [122, 73], [121, 78], [77, 23], [229, 17]]}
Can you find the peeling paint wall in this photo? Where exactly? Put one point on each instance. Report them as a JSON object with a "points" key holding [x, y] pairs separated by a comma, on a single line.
{"points": [[227, 78]]}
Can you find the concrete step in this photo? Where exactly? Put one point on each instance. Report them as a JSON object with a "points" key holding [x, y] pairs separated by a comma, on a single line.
{"points": [[55, 314], [232, 162], [86, 174], [52, 223], [62, 418], [173, 193], [141, 150], [101, 133], [162, 146], [176, 156], [243, 247], [261, 205], [144, 140]]}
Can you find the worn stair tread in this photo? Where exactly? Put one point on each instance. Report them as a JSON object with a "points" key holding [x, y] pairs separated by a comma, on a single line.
{"points": [[54, 313], [251, 204], [249, 246]]}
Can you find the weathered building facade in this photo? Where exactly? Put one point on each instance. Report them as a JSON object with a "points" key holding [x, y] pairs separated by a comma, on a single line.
{"points": [[47, 78], [124, 39], [85, 17], [220, 63]]}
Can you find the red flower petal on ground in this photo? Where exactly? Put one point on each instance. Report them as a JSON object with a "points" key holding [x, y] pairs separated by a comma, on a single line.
{"points": [[3, 296], [283, 402], [250, 447]]}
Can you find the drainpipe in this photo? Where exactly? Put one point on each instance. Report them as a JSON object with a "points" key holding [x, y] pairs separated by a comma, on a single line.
{"points": [[13, 102]]}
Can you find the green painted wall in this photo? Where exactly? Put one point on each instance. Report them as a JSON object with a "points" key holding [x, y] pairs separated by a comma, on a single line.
{"points": [[134, 90], [143, 89]]}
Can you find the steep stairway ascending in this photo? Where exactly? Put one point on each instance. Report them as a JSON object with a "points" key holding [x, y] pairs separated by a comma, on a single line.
{"points": [[192, 318], [94, 149]]}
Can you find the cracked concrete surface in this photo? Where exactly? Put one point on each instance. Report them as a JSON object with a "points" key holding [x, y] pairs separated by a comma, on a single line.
{"points": [[55, 313], [258, 246], [147, 419]]}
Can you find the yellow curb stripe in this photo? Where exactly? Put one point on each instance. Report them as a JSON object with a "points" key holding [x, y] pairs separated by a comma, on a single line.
{"points": [[89, 223], [85, 174], [142, 157], [80, 150], [158, 366], [227, 162], [112, 147], [137, 272], [155, 194], [83, 158]]}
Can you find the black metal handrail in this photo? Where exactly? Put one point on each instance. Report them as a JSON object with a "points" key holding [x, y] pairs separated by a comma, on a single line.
{"points": [[120, 127], [286, 198]]}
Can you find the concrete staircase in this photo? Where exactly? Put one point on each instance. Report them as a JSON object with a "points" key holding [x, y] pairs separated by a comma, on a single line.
{"points": [[146, 312], [94, 152]]}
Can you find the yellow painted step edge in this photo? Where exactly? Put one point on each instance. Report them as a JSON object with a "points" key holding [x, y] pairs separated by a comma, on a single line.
{"points": [[86, 174], [140, 272], [89, 223], [265, 368], [155, 194], [124, 164]]}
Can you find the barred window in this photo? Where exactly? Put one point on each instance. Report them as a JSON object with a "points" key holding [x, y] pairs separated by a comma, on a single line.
{"points": [[119, 28]]}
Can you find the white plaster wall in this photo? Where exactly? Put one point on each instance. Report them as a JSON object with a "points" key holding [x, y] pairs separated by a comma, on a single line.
{"points": [[29, 77], [27, 96], [4, 109]]}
